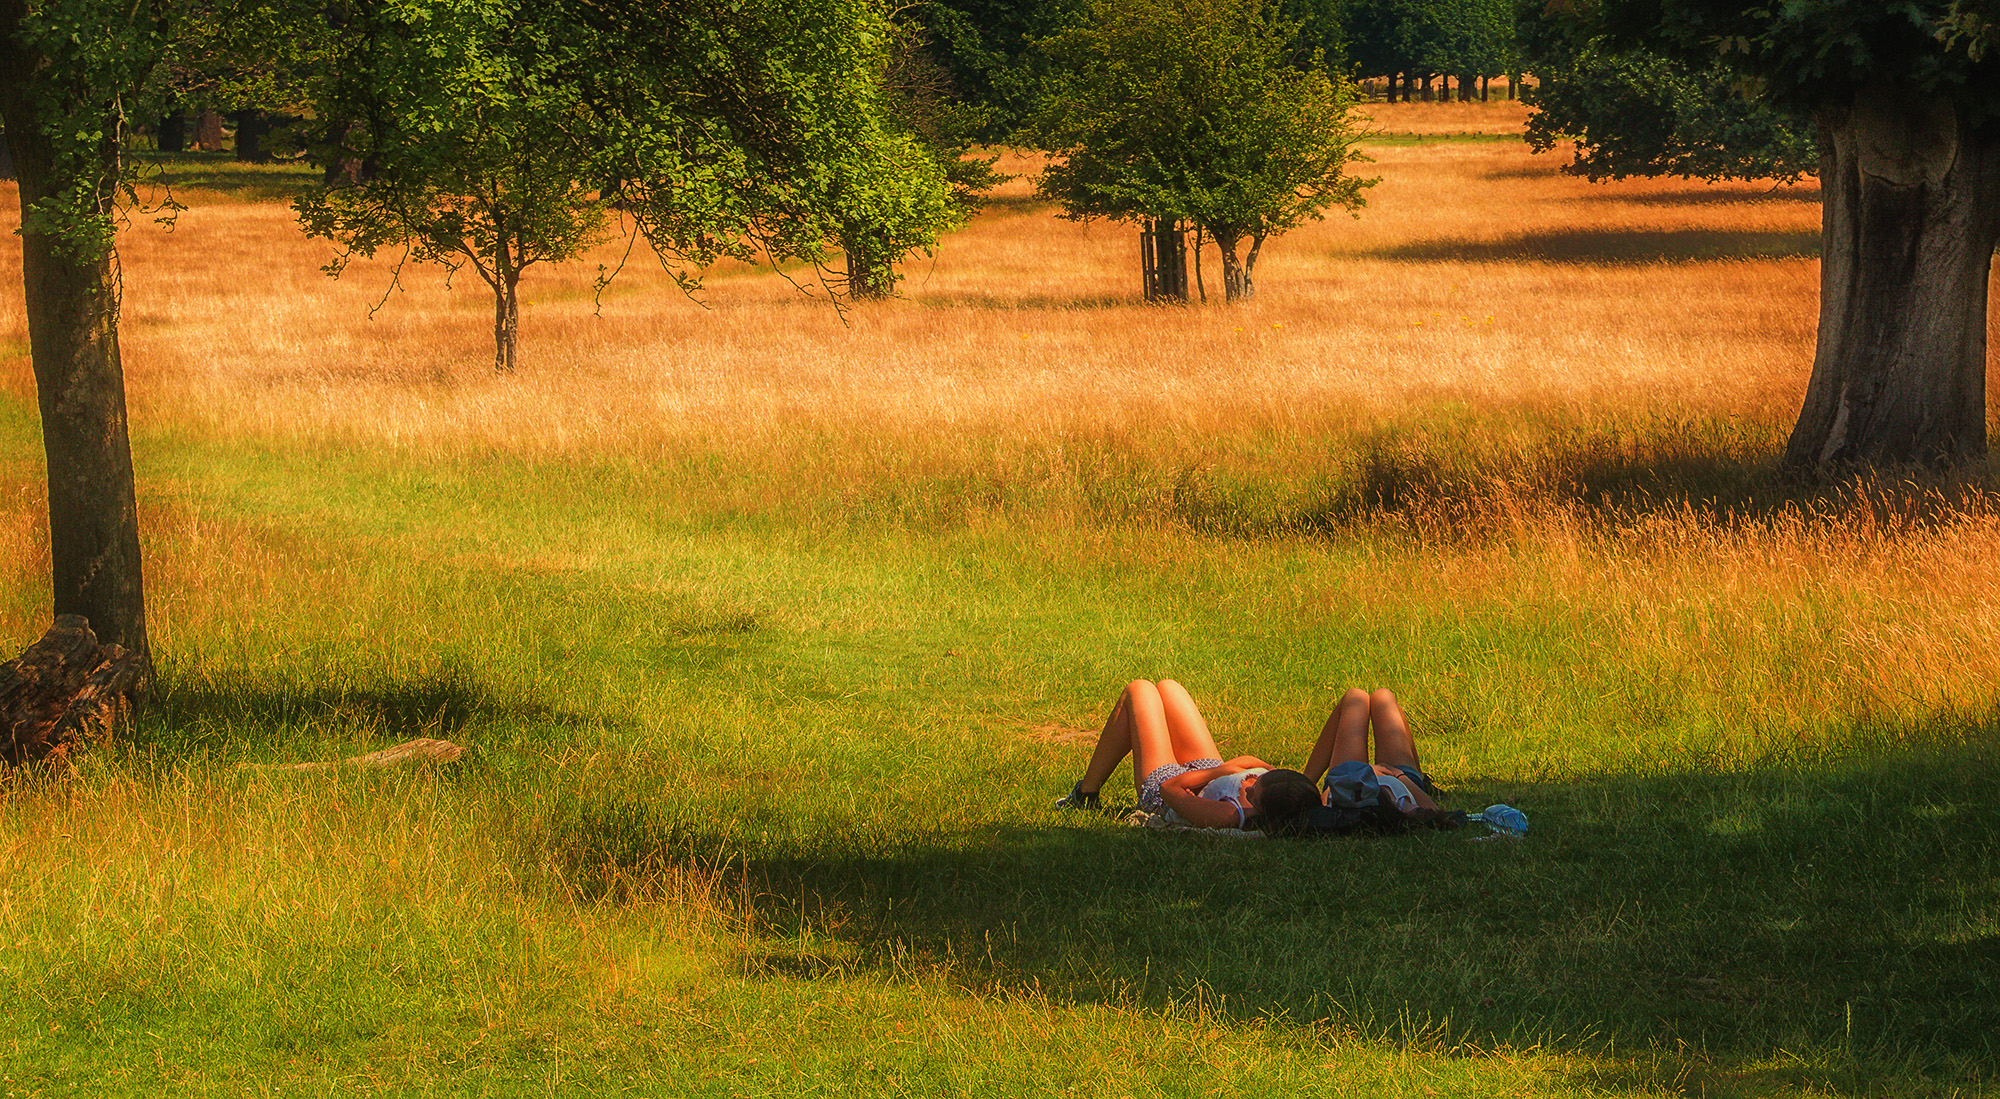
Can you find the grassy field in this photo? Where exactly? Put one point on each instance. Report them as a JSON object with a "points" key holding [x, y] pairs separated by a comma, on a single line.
{"points": [[772, 634]]}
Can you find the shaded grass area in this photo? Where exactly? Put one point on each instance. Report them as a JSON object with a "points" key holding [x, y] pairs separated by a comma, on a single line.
{"points": [[221, 173], [1615, 247]]}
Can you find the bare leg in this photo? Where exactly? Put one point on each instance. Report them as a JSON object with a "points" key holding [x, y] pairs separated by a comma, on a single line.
{"points": [[1137, 727], [1186, 728], [1344, 737], [1394, 746]]}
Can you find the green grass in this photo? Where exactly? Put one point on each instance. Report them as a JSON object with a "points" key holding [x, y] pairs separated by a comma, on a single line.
{"points": [[756, 794], [221, 173]]}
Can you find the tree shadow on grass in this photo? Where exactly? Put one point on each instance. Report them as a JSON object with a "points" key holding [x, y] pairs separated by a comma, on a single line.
{"points": [[1613, 247], [1441, 487], [231, 715], [1831, 907], [1781, 195], [221, 173]]}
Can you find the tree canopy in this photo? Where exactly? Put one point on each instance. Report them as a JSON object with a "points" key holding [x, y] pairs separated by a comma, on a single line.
{"points": [[1422, 38], [1194, 110], [1904, 96], [1636, 112], [501, 133]]}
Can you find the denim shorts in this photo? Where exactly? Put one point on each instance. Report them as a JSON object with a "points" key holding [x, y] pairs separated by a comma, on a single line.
{"points": [[1422, 780], [1149, 790], [1353, 784]]}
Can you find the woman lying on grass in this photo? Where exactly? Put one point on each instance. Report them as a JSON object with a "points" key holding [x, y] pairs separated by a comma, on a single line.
{"points": [[1176, 766]]}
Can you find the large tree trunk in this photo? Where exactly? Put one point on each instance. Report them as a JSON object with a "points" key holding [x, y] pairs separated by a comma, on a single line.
{"points": [[72, 312], [253, 136], [208, 131], [340, 167], [1911, 193], [173, 132]]}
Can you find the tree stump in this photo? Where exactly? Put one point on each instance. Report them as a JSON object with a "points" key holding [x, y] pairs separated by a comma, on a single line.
{"points": [[65, 691]]}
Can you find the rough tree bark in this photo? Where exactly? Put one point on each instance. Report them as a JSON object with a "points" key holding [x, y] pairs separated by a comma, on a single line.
{"points": [[505, 280], [1911, 216], [1163, 259], [208, 131], [253, 136], [868, 279], [506, 321], [72, 312], [64, 692], [1238, 274]]}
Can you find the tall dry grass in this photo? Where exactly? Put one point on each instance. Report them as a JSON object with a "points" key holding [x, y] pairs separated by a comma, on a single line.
{"points": [[1477, 275], [1546, 390]]}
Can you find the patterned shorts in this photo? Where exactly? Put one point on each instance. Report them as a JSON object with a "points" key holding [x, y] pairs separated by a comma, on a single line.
{"points": [[1149, 790]]}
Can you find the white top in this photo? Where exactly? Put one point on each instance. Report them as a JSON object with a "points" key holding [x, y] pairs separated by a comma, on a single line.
{"points": [[1405, 801], [1229, 788]]}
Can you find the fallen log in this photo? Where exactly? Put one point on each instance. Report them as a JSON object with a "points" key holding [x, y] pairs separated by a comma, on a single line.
{"points": [[64, 692], [420, 750]]}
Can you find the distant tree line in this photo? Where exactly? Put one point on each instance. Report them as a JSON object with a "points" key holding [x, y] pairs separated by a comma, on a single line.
{"points": [[1422, 49]]}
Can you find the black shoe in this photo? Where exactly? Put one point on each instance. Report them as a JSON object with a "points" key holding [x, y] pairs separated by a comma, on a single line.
{"points": [[1077, 799]]}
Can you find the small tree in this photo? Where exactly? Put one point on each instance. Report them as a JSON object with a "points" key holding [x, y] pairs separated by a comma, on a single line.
{"points": [[484, 155], [503, 133], [1193, 110]]}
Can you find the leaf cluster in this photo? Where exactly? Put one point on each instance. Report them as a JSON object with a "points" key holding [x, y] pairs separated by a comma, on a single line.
{"points": [[1633, 112], [1812, 52], [1431, 36], [988, 49], [1194, 109], [741, 128], [74, 72]]}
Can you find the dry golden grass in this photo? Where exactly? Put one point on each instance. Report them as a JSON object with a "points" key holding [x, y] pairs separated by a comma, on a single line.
{"points": [[1498, 115], [1477, 274], [1491, 335]]}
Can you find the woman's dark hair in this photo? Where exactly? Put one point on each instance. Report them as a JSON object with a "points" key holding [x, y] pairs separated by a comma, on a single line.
{"points": [[1283, 797]]}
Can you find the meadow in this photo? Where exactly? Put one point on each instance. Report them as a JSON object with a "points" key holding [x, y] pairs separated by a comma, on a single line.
{"points": [[772, 630]]}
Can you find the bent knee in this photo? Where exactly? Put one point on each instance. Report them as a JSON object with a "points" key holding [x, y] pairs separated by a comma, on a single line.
{"points": [[1355, 696], [1381, 696]]}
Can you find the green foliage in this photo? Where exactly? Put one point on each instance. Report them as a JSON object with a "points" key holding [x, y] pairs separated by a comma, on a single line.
{"points": [[919, 105], [987, 46], [73, 70], [1191, 109], [1637, 113], [481, 150], [1812, 52], [1456, 37], [502, 133]]}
